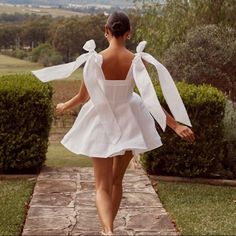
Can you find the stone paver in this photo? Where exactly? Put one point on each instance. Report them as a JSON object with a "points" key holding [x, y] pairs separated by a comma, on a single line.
{"points": [[63, 203]]}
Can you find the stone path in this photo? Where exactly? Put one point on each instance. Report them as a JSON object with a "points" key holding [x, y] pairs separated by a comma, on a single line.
{"points": [[63, 203]]}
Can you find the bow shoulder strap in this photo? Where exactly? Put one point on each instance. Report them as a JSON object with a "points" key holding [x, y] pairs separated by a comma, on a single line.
{"points": [[168, 87], [65, 70], [91, 73]]}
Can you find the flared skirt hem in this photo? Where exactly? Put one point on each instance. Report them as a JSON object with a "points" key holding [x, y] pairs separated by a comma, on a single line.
{"points": [[121, 151]]}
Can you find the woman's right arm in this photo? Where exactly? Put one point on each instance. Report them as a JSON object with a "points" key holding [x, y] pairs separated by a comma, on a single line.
{"points": [[182, 130], [80, 98]]}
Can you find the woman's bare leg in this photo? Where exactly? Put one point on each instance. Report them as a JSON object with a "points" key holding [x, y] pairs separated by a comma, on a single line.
{"points": [[120, 164], [103, 183]]}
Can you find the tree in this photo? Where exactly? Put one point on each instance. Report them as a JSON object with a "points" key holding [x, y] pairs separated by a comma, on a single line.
{"points": [[207, 56], [163, 24], [219, 12], [67, 38], [35, 31], [9, 36], [46, 55], [70, 34]]}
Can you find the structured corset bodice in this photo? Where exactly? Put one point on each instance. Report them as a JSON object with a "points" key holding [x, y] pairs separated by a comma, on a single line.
{"points": [[118, 91]]}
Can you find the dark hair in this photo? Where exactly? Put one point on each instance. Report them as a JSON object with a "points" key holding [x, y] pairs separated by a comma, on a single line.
{"points": [[118, 23]]}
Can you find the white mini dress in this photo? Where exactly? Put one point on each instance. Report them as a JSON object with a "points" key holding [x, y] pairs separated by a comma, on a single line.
{"points": [[115, 118]]}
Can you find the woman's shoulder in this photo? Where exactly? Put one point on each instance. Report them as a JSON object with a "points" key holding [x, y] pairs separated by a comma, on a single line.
{"points": [[103, 52], [130, 53], [106, 53]]}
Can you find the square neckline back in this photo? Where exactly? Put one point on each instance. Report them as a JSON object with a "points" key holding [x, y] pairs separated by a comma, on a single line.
{"points": [[116, 80]]}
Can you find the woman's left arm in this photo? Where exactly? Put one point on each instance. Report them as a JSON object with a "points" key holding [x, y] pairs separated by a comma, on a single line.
{"points": [[80, 98], [183, 131]]}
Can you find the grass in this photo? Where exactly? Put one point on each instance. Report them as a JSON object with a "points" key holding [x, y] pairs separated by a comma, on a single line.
{"points": [[200, 209], [14, 196], [11, 65], [59, 156]]}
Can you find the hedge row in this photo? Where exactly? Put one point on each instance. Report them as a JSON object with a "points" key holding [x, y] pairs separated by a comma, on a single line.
{"points": [[207, 157], [25, 121]]}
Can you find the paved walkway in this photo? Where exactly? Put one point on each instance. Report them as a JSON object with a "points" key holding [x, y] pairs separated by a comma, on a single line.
{"points": [[63, 203]]}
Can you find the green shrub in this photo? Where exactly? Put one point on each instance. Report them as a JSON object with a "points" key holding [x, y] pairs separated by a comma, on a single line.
{"points": [[205, 106], [25, 121], [46, 54], [21, 54]]}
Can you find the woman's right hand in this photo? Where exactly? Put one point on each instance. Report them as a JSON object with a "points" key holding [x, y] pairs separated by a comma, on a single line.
{"points": [[185, 132], [60, 107]]}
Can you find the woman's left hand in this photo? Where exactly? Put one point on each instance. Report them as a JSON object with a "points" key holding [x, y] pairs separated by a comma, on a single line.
{"points": [[60, 107], [185, 132]]}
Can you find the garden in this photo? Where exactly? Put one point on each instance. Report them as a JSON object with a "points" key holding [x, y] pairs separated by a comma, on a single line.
{"points": [[196, 41]]}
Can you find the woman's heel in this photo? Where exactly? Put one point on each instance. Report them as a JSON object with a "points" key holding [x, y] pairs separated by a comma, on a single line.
{"points": [[108, 233]]}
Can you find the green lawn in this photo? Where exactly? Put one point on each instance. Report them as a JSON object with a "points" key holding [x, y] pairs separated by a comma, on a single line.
{"points": [[59, 156], [11, 65], [200, 209], [14, 196]]}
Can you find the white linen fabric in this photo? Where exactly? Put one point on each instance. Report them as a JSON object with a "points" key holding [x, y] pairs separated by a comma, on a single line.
{"points": [[115, 118]]}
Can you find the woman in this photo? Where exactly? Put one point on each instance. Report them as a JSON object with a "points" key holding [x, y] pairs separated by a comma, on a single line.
{"points": [[114, 123]]}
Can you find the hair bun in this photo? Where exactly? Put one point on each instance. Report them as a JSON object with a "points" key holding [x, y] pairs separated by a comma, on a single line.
{"points": [[117, 25]]}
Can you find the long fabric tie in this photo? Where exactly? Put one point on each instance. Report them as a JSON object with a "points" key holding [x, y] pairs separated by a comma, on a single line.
{"points": [[91, 73], [65, 70], [168, 87]]}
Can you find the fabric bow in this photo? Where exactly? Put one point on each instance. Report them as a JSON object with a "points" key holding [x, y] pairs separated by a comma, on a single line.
{"points": [[168, 87], [65, 70]]}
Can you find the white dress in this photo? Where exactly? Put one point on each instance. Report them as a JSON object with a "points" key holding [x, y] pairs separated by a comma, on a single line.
{"points": [[115, 118]]}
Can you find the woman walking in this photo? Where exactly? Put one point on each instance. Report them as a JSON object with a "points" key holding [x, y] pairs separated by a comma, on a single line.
{"points": [[115, 123]]}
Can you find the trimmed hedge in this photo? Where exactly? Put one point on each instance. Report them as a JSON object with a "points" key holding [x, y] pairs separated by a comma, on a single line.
{"points": [[206, 157], [25, 121]]}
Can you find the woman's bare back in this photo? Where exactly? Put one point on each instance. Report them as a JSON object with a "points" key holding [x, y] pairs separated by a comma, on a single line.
{"points": [[116, 63]]}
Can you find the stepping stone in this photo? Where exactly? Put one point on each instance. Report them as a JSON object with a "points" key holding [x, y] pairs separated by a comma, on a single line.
{"points": [[63, 203]]}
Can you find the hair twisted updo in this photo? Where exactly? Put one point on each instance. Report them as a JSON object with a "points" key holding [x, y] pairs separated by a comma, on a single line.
{"points": [[118, 23]]}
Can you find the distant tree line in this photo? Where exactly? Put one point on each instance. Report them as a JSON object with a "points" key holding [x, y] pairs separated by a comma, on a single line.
{"points": [[16, 17], [64, 36]]}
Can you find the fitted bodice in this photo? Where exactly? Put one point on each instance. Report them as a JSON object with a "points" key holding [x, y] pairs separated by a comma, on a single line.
{"points": [[118, 91]]}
